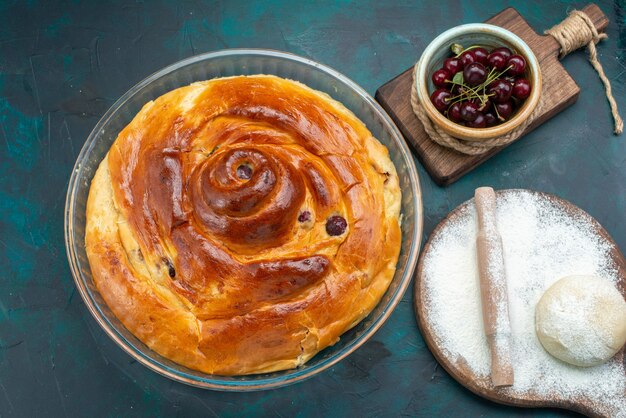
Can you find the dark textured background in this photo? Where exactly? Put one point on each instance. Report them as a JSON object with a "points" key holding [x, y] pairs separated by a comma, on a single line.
{"points": [[62, 64]]}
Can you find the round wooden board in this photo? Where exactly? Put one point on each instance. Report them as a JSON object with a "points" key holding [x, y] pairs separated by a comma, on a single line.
{"points": [[482, 385]]}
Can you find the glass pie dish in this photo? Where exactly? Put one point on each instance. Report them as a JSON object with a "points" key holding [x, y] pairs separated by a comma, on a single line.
{"points": [[222, 64]]}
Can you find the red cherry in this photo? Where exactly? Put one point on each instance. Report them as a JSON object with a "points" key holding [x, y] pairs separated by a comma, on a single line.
{"points": [[474, 74], [491, 119], [505, 110], [467, 58], [454, 112], [440, 77], [244, 172], [481, 55], [336, 225], [469, 111], [517, 64], [497, 60], [500, 90], [305, 216], [521, 88], [453, 65], [504, 51], [440, 99], [509, 78], [479, 122]]}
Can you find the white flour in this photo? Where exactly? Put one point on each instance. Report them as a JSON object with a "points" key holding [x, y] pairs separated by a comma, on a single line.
{"points": [[541, 244]]}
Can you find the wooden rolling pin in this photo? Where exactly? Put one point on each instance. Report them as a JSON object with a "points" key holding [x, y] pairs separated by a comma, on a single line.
{"points": [[493, 289]]}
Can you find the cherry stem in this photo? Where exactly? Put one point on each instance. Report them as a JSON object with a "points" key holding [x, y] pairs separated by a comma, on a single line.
{"points": [[495, 108], [473, 92], [469, 48]]}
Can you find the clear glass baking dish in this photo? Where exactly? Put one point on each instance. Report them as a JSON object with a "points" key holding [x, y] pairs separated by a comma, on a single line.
{"points": [[221, 64]]}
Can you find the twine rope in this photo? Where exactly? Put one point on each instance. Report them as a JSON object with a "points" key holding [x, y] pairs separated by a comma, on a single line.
{"points": [[576, 31]]}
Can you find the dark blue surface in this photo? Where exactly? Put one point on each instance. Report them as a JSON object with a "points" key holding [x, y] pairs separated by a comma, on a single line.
{"points": [[62, 64]]}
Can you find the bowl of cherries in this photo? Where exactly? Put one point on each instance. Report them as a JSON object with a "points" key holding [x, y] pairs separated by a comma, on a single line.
{"points": [[478, 81]]}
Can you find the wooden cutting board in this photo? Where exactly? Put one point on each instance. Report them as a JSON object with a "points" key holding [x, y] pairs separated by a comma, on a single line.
{"points": [[458, 368], [446, 166]]}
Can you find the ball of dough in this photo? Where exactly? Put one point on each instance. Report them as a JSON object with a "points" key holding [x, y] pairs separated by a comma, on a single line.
{"points": [[581, 320]]}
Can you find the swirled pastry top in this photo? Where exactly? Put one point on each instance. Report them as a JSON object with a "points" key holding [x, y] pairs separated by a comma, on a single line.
{"points": [[240, 225]]}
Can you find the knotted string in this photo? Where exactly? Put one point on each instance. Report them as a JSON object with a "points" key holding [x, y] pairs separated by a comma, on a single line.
{"points": [[576, 31]]}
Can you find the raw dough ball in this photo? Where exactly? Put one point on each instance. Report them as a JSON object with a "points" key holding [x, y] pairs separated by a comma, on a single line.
{"points": [[581, 320]]}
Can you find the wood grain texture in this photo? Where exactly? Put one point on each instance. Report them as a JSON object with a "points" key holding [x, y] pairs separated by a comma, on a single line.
{"points": [[446, 166], [481, 385]]}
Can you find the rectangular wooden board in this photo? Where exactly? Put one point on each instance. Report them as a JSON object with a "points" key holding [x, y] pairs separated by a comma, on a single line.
{"points": [[446, 166]]}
